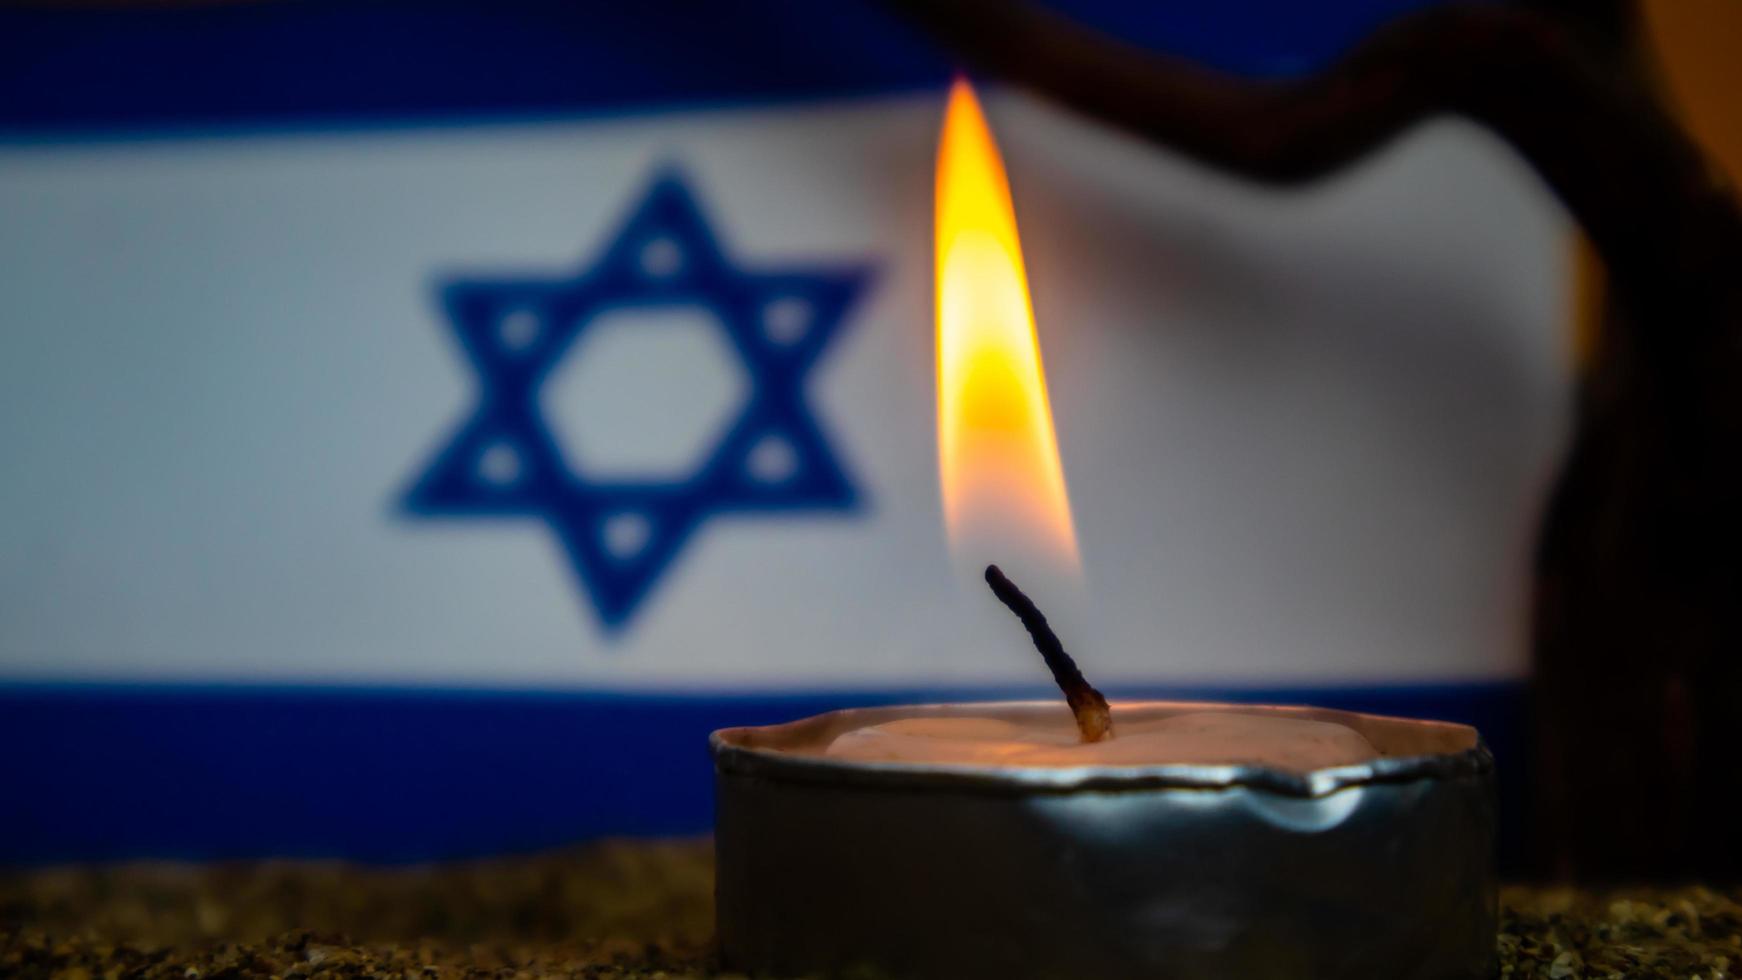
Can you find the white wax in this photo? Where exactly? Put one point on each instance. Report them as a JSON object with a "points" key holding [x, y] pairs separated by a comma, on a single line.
{"points": [[1196, 738]]}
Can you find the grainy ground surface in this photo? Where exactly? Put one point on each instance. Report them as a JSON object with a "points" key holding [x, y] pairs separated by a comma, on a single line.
{"points": [[622, 910]]}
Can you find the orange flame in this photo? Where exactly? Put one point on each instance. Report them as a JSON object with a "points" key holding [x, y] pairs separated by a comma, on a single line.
{"points": [[997, 454]]}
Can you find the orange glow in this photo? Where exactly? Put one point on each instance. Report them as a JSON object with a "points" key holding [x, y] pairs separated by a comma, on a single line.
{"points": [[997, 454]]}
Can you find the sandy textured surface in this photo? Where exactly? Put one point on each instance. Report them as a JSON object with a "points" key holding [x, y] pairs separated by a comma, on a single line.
{"points": [[622, 910]]}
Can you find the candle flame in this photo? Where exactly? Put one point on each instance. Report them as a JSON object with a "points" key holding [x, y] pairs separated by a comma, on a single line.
{"points": [[998, 456]]}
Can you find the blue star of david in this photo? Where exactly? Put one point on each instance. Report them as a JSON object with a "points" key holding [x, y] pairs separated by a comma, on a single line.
{"points": [[503, 462]]}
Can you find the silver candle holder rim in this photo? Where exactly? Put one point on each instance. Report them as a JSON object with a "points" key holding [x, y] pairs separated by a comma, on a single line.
{"points": [[767, 752]]}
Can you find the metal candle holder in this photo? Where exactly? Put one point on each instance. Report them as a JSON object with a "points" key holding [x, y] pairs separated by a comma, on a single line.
{"points": [[1383, 869]]}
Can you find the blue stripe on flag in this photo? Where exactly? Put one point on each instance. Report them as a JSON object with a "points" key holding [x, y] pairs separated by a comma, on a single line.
{"points": [[80, 70], [103, 772]]}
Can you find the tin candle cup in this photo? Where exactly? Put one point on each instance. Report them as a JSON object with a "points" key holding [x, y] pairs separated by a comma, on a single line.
{"points": [[1382, 869]]}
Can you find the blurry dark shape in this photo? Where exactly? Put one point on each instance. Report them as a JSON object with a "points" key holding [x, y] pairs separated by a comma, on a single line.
{"points": [[1637, 630]]}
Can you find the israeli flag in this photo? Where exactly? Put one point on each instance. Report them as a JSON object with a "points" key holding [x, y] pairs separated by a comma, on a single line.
{"points": [[422, 424]]}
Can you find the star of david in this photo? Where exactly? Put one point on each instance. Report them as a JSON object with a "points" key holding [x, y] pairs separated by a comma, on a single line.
{"points": [[502, 461]]}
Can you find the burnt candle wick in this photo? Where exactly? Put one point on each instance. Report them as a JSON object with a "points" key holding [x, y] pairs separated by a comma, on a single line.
{"points": [[1094, 719]]}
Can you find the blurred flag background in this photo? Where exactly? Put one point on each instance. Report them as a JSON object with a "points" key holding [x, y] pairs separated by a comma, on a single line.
{"points": [[423, 423]]}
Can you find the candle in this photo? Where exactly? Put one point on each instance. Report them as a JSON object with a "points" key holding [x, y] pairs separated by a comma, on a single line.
{"points": [[1200, 841], [1097, 840], [1085, 839], [1090, 839]]}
